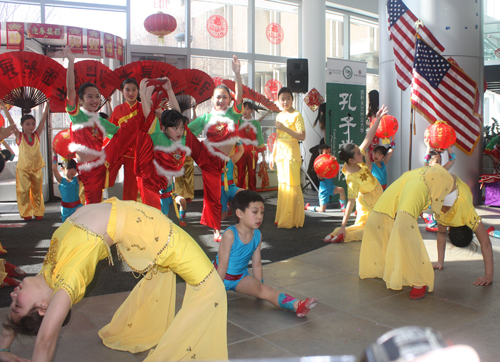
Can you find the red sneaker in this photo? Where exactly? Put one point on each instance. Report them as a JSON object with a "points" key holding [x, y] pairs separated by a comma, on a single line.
{"points": [[431, 229], [10, 282], [38, 217], [13, 270], [418, 293], [490, 230], [217, 239], [305, 306], [27, 218], [4, 251], [189, 200], [182, 223], [229, 212], [306, 206]]}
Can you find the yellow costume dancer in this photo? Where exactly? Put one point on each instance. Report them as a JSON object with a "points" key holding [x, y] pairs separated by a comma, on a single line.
{"points": [[29, 177], [392, 246], [184, 185], [153, 246], [290, 208], [366, 189]]}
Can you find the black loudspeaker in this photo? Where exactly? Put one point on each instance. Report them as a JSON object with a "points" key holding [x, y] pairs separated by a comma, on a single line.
{"points": [[297, 75]]}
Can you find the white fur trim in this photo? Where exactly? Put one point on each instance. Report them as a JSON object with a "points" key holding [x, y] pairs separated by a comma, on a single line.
{"points": [[250, 125], [216, 118], [174, 147], [214, 152], [169, 175], [93, 120], [87, 166], [220, 113], [247, 119], [76, 147], [249, 142]]}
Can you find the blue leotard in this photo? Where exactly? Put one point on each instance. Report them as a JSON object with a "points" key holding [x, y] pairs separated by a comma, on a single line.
{"points": [[69, 193]]}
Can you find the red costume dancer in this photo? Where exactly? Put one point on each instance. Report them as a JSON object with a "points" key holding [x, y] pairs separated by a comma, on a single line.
{"points": [[123, 114], [221, 131], [159, 155], [250, 133]]}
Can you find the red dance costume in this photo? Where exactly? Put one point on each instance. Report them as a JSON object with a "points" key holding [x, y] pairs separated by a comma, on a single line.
{"points": [[88, 131], [158, 160], [250, 133], [221, 129], [123, 114]]}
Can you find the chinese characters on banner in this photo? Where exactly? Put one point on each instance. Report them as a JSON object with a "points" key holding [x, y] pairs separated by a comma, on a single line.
{"points": [[346, 103], [75, 39], [109, 45], [15, 36], [45, 31], [94, 42], [119, 48]]}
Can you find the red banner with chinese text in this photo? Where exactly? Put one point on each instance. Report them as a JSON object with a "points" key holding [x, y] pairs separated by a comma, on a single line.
{"points": [[109, 45], [93, 42], [119, 48], [75, 39], [15, 36], [45, 31]]}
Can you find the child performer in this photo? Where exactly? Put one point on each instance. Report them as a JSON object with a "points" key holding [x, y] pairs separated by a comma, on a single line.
{"points": [[184, 185], [161, 147], [122, 114], [211, 156], [250, 132], [362, 187], [327, 188], [169, 197], [242, 242], [29, 171], [392, 246], [88, 131], [152, 246], [290, 129], [68, 186], [381, 157]]}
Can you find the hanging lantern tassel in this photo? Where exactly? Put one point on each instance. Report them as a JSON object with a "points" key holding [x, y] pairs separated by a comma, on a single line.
{"points": [[160, 24]]}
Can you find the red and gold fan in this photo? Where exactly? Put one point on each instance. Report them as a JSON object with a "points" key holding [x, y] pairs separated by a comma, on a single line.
{"points": [[200, 87], [28, 79], [151, 69], [260, 101]]}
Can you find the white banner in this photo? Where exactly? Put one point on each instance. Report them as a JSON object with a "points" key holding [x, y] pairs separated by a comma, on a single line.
{"points": [[343, 71]]}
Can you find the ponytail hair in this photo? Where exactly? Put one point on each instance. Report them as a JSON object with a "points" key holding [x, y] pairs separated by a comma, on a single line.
{"points": [[347, 152]]}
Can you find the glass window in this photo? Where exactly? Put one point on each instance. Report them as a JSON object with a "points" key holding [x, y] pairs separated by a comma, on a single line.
{"points": [[269, 78], [334, 35], [140, 10], [18, 12], [219, 25], [217, 67], [106, 21], [101, 2], [364, 42], [276, 28]]}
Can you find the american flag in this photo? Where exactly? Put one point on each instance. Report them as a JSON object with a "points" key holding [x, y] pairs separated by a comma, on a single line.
{"points": [[402, 30], [442, 91]]}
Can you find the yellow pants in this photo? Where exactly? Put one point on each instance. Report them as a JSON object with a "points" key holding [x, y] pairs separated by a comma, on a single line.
{"points": [[393, 249], [29, 192], [364, 206], [3, 273], [184, 186]]}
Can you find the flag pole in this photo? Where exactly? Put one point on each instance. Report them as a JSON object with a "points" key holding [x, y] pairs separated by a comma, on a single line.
{"points": [[412, 120]]}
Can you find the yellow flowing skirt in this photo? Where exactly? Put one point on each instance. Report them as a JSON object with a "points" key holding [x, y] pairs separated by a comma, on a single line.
{"points": [[290, 208], [393, 249], [147, 319], [364, 206]]}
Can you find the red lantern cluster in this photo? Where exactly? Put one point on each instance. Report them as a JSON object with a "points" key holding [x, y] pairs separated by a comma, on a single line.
{"points": [[441, 135], [60, 144], [326, 166], [387, 127], [160, 24]]}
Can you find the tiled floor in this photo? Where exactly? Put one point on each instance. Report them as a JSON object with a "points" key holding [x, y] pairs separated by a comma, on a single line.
{"points": [[350, 315]]}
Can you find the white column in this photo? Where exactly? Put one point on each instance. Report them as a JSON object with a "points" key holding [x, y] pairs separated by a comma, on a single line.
{"points": [[313, 48], [453, 23]]}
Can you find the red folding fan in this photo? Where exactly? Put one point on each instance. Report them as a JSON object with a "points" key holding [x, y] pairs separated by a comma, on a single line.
{"points": [[151, 69], [249, 93], [200, 87], [28, 79]]}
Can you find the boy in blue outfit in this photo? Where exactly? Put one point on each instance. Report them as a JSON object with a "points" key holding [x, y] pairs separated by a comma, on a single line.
{"points": [[68, 186], [327, 188], [242, 242], [381, 157]]}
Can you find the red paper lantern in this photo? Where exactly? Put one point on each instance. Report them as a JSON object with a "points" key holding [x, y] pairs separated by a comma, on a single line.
{"points": [[60, 144], [160, 24], [441, 135], [387, 127], [326, 166]]}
